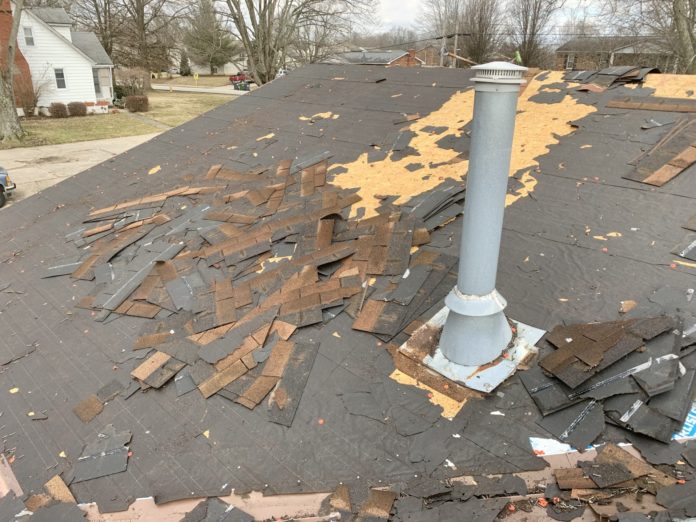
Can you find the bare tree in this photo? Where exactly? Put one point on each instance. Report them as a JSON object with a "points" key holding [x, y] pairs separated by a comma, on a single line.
{"points": [[10, 128], [148, 34], [440, 16], [478, 21], [529, 19], [102, 17], [313, 43], [481, 22], [670, 23], [397, 37], [268, 28]]}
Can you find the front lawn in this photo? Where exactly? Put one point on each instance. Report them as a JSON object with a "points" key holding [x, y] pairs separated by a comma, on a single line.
{"points": [[171, 109], [203, 81], [53, 131], [175, 108]]}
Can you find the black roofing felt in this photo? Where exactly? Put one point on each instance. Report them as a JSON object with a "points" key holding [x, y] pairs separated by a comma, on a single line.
{"points": [[171, 457]]}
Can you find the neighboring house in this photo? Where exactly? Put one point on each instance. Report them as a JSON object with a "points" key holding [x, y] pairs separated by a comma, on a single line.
{"points": [[386, 58], [21, 77], [226, 70], [429, 55], [604, 51], [66, 65]]}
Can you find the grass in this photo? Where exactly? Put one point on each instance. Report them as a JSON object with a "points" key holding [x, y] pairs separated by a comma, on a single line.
{"points": [[169, 108], [49, 131], [203, 81], [175, 108]]}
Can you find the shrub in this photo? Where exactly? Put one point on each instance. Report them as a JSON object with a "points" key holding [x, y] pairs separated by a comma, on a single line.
{"points": [[129, 81], [77, 109], [58, 110], [137, 103]]}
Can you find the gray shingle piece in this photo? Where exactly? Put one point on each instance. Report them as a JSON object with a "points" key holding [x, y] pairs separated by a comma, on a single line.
{"points": [[107, 455]]}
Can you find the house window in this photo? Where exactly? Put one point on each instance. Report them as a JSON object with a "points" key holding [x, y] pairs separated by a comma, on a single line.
{"points": [[570, 61], [60, 78], [97, 85], [28, 37]]}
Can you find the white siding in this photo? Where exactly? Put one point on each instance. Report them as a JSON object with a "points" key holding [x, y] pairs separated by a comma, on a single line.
{"points": [[64, 31], [226, 70], [51, 52]]}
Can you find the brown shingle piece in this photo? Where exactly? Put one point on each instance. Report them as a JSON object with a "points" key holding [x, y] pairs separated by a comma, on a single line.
{"points": [[573, 478], [222, 378], [248, 345], [674, 153], [146, 310], [151, 364], [653, 103], [84, 271], [370, 314], [57, 489], [280, 354], [151, 340], [325, 229], [88, 408], [584, 350], [307, 182], [213, 171], [378, 503], [258, 390]]}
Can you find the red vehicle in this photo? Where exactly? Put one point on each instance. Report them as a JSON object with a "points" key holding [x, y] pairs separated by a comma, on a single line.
{"points": [[239, 77]]}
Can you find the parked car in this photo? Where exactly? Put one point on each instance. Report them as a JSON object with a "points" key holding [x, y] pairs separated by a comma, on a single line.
{"points": [[6, 186], [239, 77]]}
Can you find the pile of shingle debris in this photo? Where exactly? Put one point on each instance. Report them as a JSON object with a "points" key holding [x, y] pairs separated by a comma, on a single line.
{"points": [[228, 275]]}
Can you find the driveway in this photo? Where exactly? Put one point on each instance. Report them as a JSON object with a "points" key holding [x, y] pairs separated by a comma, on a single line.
{"points": [[35, 168], [224, 89]]}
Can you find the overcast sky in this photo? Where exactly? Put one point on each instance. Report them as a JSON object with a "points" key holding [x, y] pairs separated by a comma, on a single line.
{"points": [[406, 13], [399, 12]]}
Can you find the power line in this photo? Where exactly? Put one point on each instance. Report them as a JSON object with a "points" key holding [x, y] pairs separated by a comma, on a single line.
{"points": [[504, 33], [414, 41]]}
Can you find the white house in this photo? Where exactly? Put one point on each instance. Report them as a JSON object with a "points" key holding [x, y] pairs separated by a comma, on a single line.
{"points": [[66, 65], [227, 70]]}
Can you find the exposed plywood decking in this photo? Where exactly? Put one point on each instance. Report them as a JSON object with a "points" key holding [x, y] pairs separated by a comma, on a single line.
{"points": [[538, 126]]}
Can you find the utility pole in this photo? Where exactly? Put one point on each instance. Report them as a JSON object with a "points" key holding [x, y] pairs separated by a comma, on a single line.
{"points": [[456, 39], [443, 50], [476, 330]]}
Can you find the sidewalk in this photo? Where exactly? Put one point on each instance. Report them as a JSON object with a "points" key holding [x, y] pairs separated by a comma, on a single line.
{"points": [[225, 89], [36, 168]]}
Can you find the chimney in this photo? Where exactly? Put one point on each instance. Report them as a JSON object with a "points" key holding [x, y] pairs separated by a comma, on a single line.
{"points": [[22, 76], [411, 57], [476, 330]]}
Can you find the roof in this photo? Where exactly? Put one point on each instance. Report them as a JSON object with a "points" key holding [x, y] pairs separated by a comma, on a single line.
{"points": [[593, 44], [52, 15], [582, 238], [90, 45], [370, 57]]}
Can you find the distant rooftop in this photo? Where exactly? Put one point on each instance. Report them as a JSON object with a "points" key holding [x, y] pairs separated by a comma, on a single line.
{"points": [[368, 57], [52, 15]]}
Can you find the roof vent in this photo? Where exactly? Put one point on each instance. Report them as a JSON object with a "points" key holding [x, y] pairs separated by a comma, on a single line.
{"points": [[499, 72]]}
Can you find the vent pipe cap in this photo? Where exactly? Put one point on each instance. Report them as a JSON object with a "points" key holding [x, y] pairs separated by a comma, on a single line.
{"points": [[499, 72]]}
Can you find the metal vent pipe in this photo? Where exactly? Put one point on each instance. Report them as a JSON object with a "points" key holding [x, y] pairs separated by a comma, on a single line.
{"points": [[476, 330]]}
